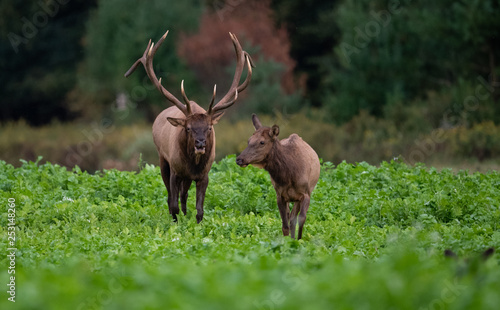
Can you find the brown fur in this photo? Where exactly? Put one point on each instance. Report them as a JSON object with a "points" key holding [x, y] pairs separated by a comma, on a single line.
{"points": [[293, 166], [172, 142], [179, 163]]}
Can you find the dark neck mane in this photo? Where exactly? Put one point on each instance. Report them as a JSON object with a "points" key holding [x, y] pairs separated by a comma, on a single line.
{"points": [[278, 164], [196, 167]]}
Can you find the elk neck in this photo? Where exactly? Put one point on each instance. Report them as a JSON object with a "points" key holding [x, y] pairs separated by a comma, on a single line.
{"points": [[196, 163], [279, 163]]}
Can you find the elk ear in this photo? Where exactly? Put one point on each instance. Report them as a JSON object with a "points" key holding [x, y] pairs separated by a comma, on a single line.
{"points": [[256, 122], [176, 121], [216, 117], [274, 132]]}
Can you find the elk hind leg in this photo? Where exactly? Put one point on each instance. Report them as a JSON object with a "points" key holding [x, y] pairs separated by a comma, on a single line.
{"points": [[175, 185], [293, 219], [185, 184], [285, 214], [304, 206], [165, 175]]}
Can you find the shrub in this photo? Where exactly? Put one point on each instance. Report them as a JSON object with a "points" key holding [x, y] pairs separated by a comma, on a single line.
{"points": [[364, 138], [481, 141]]}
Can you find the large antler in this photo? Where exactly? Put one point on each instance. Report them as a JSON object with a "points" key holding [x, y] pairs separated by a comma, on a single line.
{"points": [[147, 62], [229, 99]]}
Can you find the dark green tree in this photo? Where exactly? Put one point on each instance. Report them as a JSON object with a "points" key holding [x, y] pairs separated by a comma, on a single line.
{"points": [[40, 49], [118, 33], [313, 33], [398, 51]]}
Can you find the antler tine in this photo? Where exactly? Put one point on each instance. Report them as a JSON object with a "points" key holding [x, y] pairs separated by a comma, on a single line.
{"points": [[230, 103], [186, 100], [147, 62], [239, 59], [250, 65], [138, 61], [212, 101], [241, 56], [153, 50], [227, 104]]}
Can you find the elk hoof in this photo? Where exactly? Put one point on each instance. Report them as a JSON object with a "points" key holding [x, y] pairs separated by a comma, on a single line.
{"points": [[199, 218]]}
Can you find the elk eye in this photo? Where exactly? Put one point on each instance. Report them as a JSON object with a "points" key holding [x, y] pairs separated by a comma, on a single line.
{"points": [[262, 142], [188, 129]]}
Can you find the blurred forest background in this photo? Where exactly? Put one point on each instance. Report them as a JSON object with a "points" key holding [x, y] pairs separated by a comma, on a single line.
{"points": [[365, 80]]}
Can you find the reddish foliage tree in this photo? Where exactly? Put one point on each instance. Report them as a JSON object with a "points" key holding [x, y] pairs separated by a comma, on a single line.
{"points": [[210, 49]]}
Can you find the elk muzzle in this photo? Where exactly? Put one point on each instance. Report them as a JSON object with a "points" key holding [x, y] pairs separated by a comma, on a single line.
{"points": [[241, 162], [199, 146]]}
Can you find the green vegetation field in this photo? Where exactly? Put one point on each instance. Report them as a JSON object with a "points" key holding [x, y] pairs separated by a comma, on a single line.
{"points": [[374, 239]]}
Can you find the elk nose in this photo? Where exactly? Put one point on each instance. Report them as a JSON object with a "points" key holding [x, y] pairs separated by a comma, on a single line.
{"points": [[239, 161], [199, 143]]}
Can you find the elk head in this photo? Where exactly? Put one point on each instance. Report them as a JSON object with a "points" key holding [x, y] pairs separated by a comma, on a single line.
{"points": [[198, 126], [260, 144]]}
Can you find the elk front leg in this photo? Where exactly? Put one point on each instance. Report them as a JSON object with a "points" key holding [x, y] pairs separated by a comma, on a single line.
{"points": [[201, 188], [304, 206], [175, 184], [284, 213], [185, 184]]}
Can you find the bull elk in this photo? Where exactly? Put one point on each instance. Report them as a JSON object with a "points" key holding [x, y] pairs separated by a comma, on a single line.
{"points": [[184, 135], [294, 169]]}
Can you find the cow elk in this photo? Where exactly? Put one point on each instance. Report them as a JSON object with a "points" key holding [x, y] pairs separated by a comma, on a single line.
{"points": [[294, 169], [184, 135]]}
